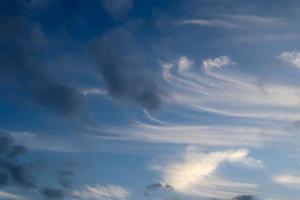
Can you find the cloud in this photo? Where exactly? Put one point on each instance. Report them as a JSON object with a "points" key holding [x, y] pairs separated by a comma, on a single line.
{"points": [[21, 64], [184, 64], [12, 171], [98, 192], [210, 22], [244, 197], [117, 8], [234, 21], [121, 62], [206, 135], [194, 173], [10, 196], [217, 62], [230, 93], [53, 193], [193, 166], [163, 191], [25, 176], [93, 91], [288, 180], [291, 57], [158, 189]]}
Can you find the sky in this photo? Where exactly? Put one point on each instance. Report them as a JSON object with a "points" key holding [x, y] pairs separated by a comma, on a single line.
{"points": [[149, 100]]}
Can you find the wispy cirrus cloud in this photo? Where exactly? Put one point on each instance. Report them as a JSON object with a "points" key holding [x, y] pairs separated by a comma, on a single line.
{"points": [[231, 93], [98, 192], [10, 196], [288, 180], [234, 21]]}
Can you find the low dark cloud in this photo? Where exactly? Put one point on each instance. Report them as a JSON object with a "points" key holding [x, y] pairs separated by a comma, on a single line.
{"points": [[53, 193], [12, 171], [18, 174], [162, 191], [65, 178], [122, 63], [22, 45], [244, 197], [165, 191]]}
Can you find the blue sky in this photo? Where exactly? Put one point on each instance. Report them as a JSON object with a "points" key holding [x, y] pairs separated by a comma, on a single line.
{"points": [[143, 99]]}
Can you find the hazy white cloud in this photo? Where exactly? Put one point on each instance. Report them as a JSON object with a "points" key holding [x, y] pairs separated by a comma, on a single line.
{"points": [[232, 93], [9, 196], [291, 57], [210, 22], [184, 64], [206, 135], [93, 91], [217, 62], [194, 172], [288, 180], [98, 192], [235, 21]]}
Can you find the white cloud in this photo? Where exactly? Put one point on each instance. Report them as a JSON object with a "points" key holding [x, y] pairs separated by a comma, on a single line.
{"points": [[10, 196], [196, 134], [93, 91], [217, 62], [232, 93], [288, 180], [210, 22], [98, 192], [234, 21], [184, 64], [194, 172], [291, 57]]}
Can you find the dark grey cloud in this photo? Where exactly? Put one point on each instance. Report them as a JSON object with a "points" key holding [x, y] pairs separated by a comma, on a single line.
{"points": [[22, 45], [53, 193], [12, 171], [65, 178], [122, 63], [161, 190], [117, 8], [25, 176], [244, 197]]}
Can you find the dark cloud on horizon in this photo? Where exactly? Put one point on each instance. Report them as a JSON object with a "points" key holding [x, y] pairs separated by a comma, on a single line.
{"points": [[22, 175], [122, 63], [12, 171], [53, 193], [244, 197], [21, 47], [162, 191]]}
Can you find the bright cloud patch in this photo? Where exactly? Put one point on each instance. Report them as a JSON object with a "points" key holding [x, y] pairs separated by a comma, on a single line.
{"points": [[9, 196], [184, 64], [217, 62], [98, 192], [291, 57], [288, 180], [194, 172]]}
